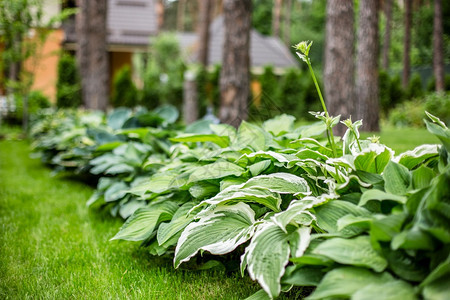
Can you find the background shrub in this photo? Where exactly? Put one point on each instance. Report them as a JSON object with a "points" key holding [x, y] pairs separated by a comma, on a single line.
{"points": [[124, 91], [68, 87], [415, 89]]}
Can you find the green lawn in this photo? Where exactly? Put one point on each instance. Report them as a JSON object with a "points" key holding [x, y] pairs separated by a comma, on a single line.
{"points": [[403, 139], [53, 247]]}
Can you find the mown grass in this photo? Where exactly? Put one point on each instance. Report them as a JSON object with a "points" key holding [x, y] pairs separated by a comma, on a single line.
{"points": [[53, 247], [403, 139]]}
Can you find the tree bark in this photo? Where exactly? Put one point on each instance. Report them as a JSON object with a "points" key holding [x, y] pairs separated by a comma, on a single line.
{"points": [[276, 17], [407, 43], [235, 72], [367, 65], [180, 14], [159, 7], [339, 66], [287, 23], [190, 96], [92, 53], [438, 47], [387, 33], [203, 30]]}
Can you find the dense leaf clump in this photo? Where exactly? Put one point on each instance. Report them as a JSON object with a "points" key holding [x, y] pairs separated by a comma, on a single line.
{"points": [[347, 216]]}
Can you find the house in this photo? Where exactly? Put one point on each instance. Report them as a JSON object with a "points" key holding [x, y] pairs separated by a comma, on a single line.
{"points": [[131, 24], [264, 50]]}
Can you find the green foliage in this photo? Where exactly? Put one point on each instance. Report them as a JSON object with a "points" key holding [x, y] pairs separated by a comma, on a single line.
{"points": [[431, 86], [36, 102], [396, 91], [289, 94], [68, 90], [384, 83], [163, 78], [411, 113], [414, 89], [262, 16], [124, 91]]}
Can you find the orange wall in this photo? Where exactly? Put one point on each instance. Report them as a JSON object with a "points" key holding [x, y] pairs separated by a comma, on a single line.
{"points": [[45, 65], [117, 61]]}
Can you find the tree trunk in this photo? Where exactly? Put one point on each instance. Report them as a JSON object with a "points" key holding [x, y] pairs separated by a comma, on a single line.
{"points": [[387, 33], [180, 14], [339, 66], [190, 96], [407, 43], [287, 23], [203, 30], [367, 65], [92, 53], [276, 18], [159, 7], [438, 47], [235, 72]]}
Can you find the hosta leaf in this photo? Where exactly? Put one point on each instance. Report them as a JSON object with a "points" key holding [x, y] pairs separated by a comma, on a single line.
{"points": [[158, 183], [259, 295], [118, 117], [280, 124], [221, 141], [437, 290], [116, 191], [386, 227], [406, 267], [344, 282], [296, 207], [380, 196], [218, 231], [128, 208], [173, 229], [312, 259], [201, 190], [304, 276], [299, 241], [421, 177], [356, 251], [312, 154], [218, 169], [441, 271], [329, 214], [282, 183], [143, 222], [373, 159], [418, 155], [441, 132], [252, 194], [266, 257], [119, 169], [259, 167], [274, 156], [251, 136], [224, 130], [393, 290], [413, 238], [396, 178]]}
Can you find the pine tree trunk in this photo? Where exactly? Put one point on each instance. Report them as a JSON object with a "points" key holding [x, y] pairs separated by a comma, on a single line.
{"points": [[339, 66], [180, 14], [287, 23], [276, 17], [367, 65], [235, 72], [159, 7], [438, 47], [387, 33], [203, 45], [92, 53], [407, 43]]}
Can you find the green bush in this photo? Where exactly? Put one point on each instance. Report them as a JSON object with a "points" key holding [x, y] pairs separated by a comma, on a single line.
{"points": [[68, 88], [438, 104], [415, 89], [36, 101], [384, 83], [124, 91], [431, 86], [291, 97], [412, 113], [268, 98], [396, 91]]}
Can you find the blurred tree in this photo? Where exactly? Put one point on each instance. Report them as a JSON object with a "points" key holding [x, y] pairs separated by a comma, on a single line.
{"points": [[438, 46], [407, 43], [92, 53], [235, 74], [387, 7], [339, 66], [276, 19], [287, 22], [68, 89], [367, 65], [203, 31]]}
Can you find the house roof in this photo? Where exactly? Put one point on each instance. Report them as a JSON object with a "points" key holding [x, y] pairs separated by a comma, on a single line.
{"points": [[264, 50], [129, 23]]}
